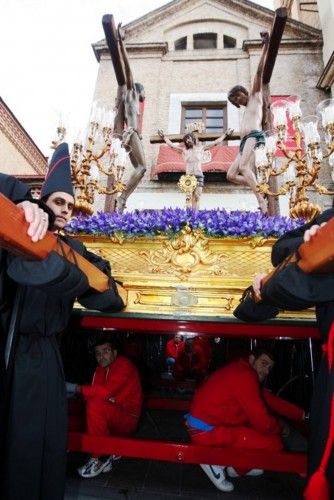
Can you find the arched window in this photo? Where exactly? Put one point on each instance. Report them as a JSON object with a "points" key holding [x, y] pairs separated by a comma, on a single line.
{"points": [[205, 41], [229, 42], [181, 43]]}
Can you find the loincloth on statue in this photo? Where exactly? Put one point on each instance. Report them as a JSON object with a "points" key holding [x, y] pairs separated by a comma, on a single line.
{"points": [[127, 134], [259, 135]]}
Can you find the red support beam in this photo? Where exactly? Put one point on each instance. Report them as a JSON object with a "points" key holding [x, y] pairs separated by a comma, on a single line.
{"points": [[188, 453], [215, 326]]}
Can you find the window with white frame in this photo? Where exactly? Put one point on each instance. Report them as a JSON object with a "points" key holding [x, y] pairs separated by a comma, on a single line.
{"points": [[213, 116]]}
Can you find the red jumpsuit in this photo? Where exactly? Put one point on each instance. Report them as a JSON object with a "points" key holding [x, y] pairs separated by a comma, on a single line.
{"points": [[232, 401], [113, 401], [173, 349], [192, 363]]}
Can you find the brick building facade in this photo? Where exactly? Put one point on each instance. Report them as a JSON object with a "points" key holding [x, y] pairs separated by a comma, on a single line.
{"points": [[19, 155]]}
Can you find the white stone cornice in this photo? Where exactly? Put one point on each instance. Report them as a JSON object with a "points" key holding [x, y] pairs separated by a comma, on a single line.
{"points": [[311, 43], [156, 48]]}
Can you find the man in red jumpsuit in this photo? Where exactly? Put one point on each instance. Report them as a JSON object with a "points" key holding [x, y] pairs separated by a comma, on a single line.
{"points": [[192, 362], [174, 347], [113, 401], [231, 409]]}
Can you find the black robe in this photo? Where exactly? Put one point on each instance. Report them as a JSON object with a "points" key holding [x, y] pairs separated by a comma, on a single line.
{"points": [[324, 383], [37, 424]]}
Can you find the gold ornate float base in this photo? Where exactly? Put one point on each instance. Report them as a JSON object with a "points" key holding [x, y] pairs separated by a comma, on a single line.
{"points": [[188, 274]]}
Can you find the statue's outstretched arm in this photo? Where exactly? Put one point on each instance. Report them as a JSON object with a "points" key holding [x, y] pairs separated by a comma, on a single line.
{"points": [[257, 84], [128, 72], [168, 142]]}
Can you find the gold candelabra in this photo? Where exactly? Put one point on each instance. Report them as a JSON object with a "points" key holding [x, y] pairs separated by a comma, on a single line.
{"points": [[302, 152], [101, 152]]}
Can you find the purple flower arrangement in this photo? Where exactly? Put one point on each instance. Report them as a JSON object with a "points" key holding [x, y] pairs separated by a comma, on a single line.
{"points": [[169, 221]]}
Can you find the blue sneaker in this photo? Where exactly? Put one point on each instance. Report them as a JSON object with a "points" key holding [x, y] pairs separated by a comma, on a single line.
{"points": [[216, 474]]}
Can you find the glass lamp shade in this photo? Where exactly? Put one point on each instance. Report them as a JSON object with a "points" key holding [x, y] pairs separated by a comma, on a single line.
{"points": [[94, 173], [325, 110], [116, 144], [293, 106], [279, 110], [309, 127], [108, 118]]}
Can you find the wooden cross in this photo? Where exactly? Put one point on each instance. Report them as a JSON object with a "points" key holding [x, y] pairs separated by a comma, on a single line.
{"points": [[276, 34], [156, 139], [110, 32]]}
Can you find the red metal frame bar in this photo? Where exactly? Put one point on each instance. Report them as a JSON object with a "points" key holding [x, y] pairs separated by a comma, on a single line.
{"points": [[211, 327], [187, 453]]}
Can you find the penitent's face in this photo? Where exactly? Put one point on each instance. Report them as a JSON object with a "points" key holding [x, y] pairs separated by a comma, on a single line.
{"points": [[262, 365], [105, 355], [62, 205]]}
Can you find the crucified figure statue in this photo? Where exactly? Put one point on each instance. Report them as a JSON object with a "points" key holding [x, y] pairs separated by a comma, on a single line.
{"points": [[193, 157], [127, 123], [242, 170]]}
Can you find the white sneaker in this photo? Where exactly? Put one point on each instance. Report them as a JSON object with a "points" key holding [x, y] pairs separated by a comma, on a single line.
{"points": [[94, 467], [216, 474], [108, 464], [253, 472]]}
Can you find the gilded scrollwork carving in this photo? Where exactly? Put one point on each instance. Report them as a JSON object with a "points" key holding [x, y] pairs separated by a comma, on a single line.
{"points": [[257, 242], [183, 255]]}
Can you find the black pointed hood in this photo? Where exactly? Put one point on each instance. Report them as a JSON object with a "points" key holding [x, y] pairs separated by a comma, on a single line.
{"points": [[59, 177]]}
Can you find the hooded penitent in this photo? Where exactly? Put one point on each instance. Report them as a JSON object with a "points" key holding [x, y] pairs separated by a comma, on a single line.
{"points": [[58, 177]]}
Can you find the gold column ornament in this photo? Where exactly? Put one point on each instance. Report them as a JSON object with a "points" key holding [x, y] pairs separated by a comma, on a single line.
{"points": [[303, 155]]}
